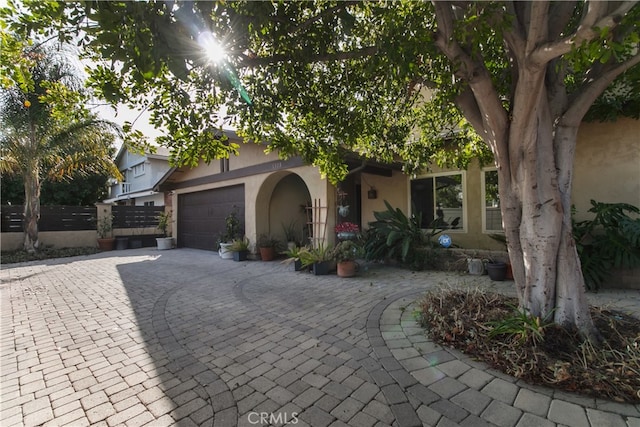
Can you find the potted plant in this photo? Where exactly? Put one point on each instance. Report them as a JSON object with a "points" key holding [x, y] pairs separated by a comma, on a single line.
{"points": [[290, 234], [232, 231], [105, 226], [345, 255], [164, 221], [267, 246], [294, 255], [240, 249], [319, 258]]}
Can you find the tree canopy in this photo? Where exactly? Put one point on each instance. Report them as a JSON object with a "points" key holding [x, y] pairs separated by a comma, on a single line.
{"points": [[324, 77]]}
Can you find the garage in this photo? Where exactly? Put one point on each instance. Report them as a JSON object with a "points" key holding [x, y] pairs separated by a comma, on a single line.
{"points": [[201, 215]]}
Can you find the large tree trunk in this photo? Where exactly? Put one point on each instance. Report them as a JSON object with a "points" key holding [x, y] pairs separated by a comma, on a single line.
{"points": [[536, 187], [31, 208]]}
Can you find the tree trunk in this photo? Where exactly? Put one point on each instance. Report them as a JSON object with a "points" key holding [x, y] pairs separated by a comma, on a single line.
{"points": [[536, 188], [31, 208]]}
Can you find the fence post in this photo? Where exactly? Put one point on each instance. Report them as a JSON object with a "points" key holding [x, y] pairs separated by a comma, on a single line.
{"points": [[102, 210]]}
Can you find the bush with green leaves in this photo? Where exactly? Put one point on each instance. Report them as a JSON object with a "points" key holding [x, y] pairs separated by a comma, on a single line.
{"points": [[399, 237], [610, 240]]}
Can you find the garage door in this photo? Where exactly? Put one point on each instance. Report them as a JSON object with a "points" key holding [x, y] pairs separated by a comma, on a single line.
{"points": [[201, 215]]}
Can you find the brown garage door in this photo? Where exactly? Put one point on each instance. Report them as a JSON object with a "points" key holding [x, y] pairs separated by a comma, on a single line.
{"points": [[201, 215]]}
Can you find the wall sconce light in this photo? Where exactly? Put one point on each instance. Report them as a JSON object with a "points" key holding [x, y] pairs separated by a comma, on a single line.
{"points": [[372, 193]]}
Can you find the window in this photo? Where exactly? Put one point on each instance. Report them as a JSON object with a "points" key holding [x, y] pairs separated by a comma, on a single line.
{"points": [[151, 203], [440, 200], [224, 165], [138, 169], [126, 187], [492, 217]]}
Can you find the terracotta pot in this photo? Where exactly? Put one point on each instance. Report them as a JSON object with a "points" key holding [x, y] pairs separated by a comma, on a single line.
{"points": [[347, 268], [106, 244], [267, 254]]}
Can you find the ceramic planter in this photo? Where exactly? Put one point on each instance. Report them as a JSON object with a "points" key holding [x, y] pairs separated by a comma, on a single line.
{"points": [[164, 243], [497, 271], [240, 255], [321, 268], [224, 251], [346, 268]]}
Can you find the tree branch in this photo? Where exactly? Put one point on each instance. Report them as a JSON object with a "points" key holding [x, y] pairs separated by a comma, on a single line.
{"points": [[585, 32], [538, 25], [586, 96], [560, 14], [250, 62]]}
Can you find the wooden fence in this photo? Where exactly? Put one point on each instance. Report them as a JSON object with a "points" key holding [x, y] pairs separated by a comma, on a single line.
{"points": [[76, 218]]}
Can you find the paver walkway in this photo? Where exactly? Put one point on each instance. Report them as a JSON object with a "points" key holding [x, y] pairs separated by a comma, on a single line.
{"points": [[142, 337]]}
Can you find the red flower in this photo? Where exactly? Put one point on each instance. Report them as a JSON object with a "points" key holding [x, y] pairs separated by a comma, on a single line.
{"points": [[347, 227]]}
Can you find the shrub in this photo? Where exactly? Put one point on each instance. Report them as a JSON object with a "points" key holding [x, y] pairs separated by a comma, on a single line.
{"points": [[396, 236], [611, 239]]}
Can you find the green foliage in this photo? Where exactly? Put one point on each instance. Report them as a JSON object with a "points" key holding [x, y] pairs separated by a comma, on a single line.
{"points": [[395, 236], [78, 190], [521, 327], [267, 241], [233, 229], [610, 240], [105, 225], [164, 222], [347, 250], [322, 252], [240, 245], [320, 79]]}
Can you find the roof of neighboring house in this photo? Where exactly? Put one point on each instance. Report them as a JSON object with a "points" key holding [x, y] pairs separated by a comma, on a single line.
{"points": [[161, 153]]}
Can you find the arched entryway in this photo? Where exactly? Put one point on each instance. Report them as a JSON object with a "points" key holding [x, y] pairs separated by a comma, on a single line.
{"points": [[281, 207]]}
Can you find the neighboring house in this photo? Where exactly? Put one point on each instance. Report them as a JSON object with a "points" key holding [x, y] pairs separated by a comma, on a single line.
{"points": [[269, 193], [141, 174]]}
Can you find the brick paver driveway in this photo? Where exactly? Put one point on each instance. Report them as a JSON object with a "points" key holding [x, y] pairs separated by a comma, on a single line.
{"points": [[180, 337]]}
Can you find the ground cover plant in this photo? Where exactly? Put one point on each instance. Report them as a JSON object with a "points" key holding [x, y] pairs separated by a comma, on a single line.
{"points": [[11, 257], [489, 327]]}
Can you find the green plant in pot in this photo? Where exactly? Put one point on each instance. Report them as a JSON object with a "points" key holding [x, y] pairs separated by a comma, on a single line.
{"points": [[240, 249], [294, 255], [104, 228], [233, 231], [319, 258], [267, 246], [345, 255], [164, 222]]}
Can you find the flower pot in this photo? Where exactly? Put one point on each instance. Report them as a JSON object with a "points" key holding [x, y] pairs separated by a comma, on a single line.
{"points": [[224, 251], [475, 266], [297, 265], [106, 244], [509, 275], [346, 268], [164, 243], [240, 255], [321, 268], [497, 271], [346, 235], [267, 254], [122, 243]]}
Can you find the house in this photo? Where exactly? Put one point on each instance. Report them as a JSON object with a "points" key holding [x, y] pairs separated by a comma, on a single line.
{"points": [[141, 172], [269, 193]]}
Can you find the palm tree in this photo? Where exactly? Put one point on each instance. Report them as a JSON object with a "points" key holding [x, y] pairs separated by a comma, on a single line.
{"points": [[48, 133]]}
